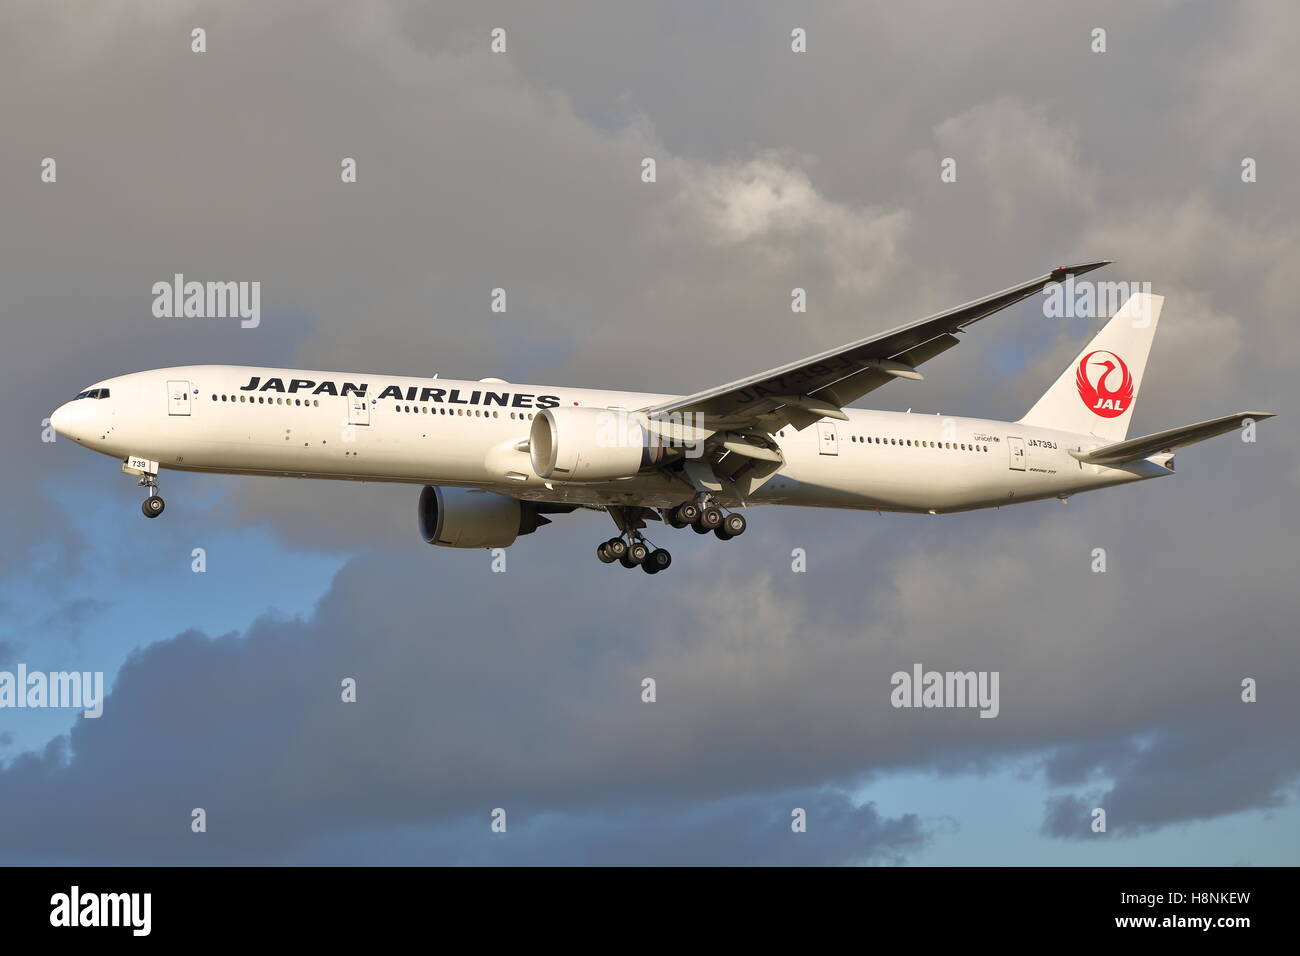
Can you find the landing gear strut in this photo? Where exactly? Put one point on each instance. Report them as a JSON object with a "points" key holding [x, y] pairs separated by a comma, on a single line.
{"points": [[153, 505]]}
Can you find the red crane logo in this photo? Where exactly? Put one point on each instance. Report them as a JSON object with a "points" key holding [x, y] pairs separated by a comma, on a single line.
{"points": [[1094, 387]]}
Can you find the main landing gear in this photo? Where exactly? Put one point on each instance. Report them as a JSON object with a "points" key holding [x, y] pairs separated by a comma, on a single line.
{"points": [[634, 552], [630, 548], [704, 516], [153, 505]]}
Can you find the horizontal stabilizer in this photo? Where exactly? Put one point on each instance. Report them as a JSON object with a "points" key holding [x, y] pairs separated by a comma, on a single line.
{"points": [[1148, 445]]}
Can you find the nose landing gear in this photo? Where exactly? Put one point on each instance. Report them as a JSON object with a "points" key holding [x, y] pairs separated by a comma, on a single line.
{"points": [[148, 472], [153, 505]]}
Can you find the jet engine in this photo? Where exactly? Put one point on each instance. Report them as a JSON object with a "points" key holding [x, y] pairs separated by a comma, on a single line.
{"points": [[469, 518], [591, 444]]}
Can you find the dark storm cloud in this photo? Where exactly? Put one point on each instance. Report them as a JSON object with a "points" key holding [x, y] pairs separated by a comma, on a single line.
{"points": [[775, 171], [1206, 768], [458, 712], [468, 701], [745, 831]]}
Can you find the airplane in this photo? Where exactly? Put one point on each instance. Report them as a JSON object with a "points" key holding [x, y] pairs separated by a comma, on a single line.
{"points": [[497, 458]]}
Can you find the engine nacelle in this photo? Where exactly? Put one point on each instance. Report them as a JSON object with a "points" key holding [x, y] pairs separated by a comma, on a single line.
{"points": [[591, 444], [467, 518]]}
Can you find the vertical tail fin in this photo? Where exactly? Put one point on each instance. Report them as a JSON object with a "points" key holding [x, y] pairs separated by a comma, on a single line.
{"points": [[1097, 391]]}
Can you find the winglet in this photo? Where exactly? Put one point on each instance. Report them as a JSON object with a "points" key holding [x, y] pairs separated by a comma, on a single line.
{"points": [[1060, 272]]}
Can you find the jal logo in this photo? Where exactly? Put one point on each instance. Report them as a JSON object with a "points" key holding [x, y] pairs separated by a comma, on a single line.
{"points": [[1105, 384]]}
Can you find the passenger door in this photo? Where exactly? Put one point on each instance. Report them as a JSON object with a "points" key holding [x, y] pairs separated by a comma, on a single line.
{"points": [[1016, 447], [178, 398], [828, 440], [358, 410]]}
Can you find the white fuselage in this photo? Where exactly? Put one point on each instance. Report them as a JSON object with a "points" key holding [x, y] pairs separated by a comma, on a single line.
{"points": [[352, 426]]}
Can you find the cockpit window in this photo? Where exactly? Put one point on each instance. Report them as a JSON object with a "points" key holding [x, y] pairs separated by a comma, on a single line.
{"points": [[92, 393], [103, 393], [81, 395]]}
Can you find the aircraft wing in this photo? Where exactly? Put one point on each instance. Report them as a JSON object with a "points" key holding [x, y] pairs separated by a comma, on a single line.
{"points": [[817, 387], [1148, 445]]}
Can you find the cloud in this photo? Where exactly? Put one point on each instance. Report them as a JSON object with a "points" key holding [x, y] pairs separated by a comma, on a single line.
{"points": [[1195, 771], [484, 691]]}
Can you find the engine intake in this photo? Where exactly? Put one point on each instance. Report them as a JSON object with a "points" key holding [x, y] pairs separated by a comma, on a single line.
{"points": [[469, 518], [591, 444]]}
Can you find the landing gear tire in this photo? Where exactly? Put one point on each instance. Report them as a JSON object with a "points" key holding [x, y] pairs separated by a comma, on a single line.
{"points": [[616, 548], [638, 552], [603, 554], [733, 525], [686, 513], [709, 519], [153, 506], [721, 534], [656, 561]]}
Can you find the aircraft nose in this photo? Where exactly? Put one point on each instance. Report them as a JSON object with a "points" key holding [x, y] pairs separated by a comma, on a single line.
{"points": [[60, 419], [69, 420]]}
